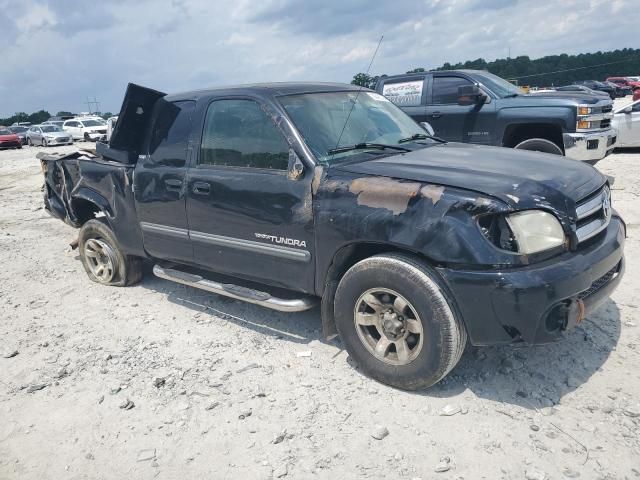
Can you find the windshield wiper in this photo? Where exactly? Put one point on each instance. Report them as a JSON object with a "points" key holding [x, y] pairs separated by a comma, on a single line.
{"points": [[512, 95], [367, 146], [421, 136]]}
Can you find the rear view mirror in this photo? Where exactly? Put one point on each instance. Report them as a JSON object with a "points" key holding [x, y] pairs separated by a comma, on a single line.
{"points": [[470, 95]]}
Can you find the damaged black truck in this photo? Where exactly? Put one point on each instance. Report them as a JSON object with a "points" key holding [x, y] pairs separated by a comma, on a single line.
{"points": [[293, 195]]}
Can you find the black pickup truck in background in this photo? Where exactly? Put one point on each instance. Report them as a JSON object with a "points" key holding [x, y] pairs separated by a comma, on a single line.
{"points": [[474, 106], [290, 195]]}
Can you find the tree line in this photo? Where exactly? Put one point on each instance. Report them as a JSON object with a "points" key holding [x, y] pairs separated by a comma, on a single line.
{"points": [[40, 116], [552, 70]]}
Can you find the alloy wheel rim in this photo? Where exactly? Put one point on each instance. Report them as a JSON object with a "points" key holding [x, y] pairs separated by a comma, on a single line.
{"points": [[388, 326], [100, 258]]}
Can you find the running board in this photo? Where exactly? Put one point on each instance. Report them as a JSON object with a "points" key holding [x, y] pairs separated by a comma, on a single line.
{"points": [[235, 291]]}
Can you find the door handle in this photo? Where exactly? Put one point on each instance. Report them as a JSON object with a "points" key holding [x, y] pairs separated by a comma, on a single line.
{"points": [[173, 185], [436, 114], [201, 188]]}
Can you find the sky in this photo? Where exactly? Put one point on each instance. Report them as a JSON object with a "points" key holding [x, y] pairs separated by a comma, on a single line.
{"points": [[56, 53]]}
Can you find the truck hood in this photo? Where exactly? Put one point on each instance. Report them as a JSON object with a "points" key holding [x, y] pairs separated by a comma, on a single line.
{"points": [[521, 179]]}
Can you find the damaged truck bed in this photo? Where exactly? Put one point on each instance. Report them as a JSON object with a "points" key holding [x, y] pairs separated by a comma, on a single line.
{"points": [[284, 194]]}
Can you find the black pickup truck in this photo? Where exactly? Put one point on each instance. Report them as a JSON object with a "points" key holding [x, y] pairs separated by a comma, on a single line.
{"points": [[474, 106], [290, 195]]}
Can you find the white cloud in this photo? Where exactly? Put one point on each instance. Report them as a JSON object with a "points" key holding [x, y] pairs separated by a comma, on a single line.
{"points": [[35, 15]]}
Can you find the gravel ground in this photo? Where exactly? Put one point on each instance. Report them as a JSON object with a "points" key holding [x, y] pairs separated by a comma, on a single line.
{"points": [[165, 381]]}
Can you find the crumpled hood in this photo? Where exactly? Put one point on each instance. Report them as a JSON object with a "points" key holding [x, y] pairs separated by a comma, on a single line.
{"points": [[520, 178]]}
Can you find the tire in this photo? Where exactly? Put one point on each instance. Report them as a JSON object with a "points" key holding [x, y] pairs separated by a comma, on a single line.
{"points": [[29, 142], [540, 145], [428, 356], [44, 142], [98, 246], [86, 137]]}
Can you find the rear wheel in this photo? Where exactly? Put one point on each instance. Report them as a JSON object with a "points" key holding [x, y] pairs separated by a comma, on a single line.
{"points": [[398, 322], [540, 145], [103, 259]]}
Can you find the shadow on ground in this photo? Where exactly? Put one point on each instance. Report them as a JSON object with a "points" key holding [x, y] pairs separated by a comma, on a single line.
{"points": [[529, 377]]}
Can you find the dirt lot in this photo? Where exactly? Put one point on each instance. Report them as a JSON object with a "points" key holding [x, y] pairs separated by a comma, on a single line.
{"points": [[222, 389]]}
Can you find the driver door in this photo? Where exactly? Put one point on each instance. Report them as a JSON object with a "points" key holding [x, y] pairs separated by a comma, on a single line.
{"points": [[246, 216], [458, 123]]}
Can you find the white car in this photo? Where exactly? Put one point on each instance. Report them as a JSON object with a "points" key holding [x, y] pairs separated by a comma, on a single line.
{"points": [[47, 135], [627, 121], [88, 129]]}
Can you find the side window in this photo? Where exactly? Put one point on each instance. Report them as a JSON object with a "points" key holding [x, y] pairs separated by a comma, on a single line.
{"points": [[636, 107], [404, 94], [445, 89], [169, 137], [239, 133]]}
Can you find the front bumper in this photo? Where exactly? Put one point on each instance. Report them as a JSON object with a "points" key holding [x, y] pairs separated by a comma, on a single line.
{"points": [[11, 144], [60, 141], [96, 136], [538, 303], [589, 146]]}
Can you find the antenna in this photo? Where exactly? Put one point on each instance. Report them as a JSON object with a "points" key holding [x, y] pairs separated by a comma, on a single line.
{"points": [[358, 93]]}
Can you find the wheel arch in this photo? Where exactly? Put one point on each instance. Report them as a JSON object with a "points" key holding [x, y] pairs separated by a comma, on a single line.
{"points": [[343, 259], [87, 204], [519, 132]]}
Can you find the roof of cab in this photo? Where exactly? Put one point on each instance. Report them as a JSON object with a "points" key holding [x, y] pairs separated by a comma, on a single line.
{"points": [[266, 89]]}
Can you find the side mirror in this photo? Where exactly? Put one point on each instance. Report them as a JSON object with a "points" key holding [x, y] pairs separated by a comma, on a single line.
{"points": [[295, 170], [470, 95], [628, 110], [428, 128]]}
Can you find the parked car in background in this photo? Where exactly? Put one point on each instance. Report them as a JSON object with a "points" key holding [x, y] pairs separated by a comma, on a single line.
{"points": [[621, 90], [8, 139], [600, 86], [631, 82], [21, 132], [328, 193], [627, 121], [583, 89], [474, 106], [21, 124], [87, 129], [48, 135]]}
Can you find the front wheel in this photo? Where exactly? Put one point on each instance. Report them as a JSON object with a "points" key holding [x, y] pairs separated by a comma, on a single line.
{"points": [[398, 322], [44, 142], [103, 259], [540, 145]]}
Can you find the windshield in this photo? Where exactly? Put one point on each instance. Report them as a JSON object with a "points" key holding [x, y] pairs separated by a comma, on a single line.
{"points": [[91, 123], [321, 117], [50, 128], [497, 85], [18, 129], [4, 131]]}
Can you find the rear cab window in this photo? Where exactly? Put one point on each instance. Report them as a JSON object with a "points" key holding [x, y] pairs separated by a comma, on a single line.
{"points": [[171, 128], [406, 93]]}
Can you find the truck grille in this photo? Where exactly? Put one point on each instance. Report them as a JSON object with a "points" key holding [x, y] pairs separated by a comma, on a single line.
{"points": [[593, 214], [605, 123], [607, 108]]}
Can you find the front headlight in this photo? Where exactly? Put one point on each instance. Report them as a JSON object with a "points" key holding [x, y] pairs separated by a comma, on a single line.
{"points": [[525, 232], [535, 230]]}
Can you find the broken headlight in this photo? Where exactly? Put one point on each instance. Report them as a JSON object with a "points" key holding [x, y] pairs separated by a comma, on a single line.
{"points": [[525, 232]]}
